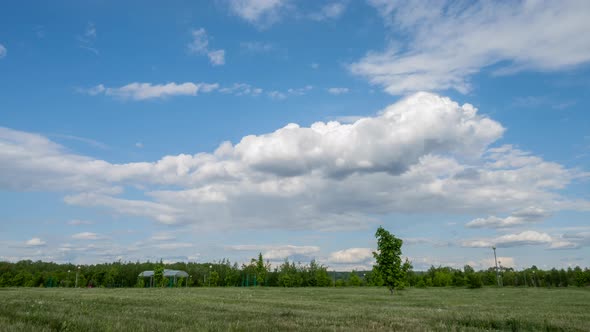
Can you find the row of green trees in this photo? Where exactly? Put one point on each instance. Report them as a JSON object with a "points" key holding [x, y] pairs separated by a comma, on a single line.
{"points": [[27, 273], [289, 274], [530, 277]]}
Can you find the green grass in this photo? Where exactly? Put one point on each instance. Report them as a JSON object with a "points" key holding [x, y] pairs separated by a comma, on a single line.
{"points": [[281, 309]]}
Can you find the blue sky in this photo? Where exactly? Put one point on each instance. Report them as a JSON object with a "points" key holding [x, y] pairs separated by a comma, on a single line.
{"points": [[200, 131]]}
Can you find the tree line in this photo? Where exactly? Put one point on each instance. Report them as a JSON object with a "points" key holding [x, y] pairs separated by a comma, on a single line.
{"points": [[389, 271], [27, 273]]}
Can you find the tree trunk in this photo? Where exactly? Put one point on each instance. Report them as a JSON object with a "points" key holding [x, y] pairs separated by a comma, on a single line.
{"points": [[391, 290]]}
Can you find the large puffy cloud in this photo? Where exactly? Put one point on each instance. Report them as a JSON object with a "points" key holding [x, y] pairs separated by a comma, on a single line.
{"points": [[414, 127], [425, 153], [451, 41]]}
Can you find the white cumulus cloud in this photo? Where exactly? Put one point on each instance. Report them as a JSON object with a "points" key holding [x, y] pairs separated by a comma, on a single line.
{"points": [[425, 153], [3, 51]]}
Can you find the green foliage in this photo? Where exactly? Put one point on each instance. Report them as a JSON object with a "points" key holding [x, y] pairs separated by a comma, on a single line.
{"points": [[389, 261], [319, 276], [214, 278], [374, 278], [355, 280], [290, 274], [140, 283], [261, 270], [474, 280], [159, 275]]}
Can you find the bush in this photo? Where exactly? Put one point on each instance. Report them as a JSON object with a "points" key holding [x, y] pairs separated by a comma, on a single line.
{"points": [[474, 281]]}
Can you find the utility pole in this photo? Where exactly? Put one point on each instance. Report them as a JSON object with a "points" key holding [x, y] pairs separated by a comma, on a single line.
{"points": [[501, 274], [77, 273], [496, 260]]}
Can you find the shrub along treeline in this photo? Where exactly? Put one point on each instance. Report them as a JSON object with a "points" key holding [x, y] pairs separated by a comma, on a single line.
{"points": [[289, 274]]}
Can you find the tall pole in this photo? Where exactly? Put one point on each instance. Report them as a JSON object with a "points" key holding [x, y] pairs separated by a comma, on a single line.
{"points": [[501, 274], [77, 272], [496, 260]]}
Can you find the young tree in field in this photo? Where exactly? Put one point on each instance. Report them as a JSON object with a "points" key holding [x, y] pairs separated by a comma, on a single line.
{"points": [[389, 260], [159, 274], [261, 269]]}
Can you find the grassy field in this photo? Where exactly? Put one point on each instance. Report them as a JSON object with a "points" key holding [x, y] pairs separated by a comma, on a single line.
{"points": [[280, 309]]}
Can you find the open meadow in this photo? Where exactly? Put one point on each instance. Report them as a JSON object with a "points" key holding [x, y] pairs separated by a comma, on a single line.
{"points": [[288, 309]]}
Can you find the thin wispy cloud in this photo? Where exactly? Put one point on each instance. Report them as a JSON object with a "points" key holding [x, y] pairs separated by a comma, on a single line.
{"points": [[518, 218], [280, 95], [257, 47], [338, 91], [449, 42], [329, 11], [145, 91], [86, 236], [511, 240], [78, 222], [87, 39], [241, 89], [35, 242], [3, 51], [88, 141], [200, 46], [262, 13]]}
